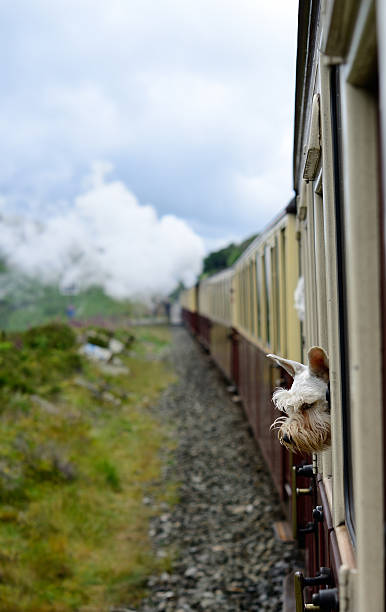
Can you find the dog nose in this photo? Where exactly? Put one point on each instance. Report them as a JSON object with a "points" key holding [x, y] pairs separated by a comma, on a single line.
{"points": [[287, 439]]}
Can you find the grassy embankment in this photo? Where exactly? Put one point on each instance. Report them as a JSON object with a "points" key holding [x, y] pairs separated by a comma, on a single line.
{"points": [[79, 450]]}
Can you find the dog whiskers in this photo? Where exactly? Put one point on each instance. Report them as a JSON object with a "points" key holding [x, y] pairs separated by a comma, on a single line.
{"points": [[278, 422]]}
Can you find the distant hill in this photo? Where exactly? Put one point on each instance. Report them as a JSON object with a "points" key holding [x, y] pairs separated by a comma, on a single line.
{"points": [[222, 259], [25, 302]]}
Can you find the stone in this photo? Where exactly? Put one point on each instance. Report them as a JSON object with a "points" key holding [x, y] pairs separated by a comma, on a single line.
{"points": [[95, 352], [115, 346], [219, 533]]}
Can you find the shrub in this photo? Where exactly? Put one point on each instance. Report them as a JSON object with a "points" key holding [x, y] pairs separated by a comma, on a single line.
{"points": [[51, 336]]}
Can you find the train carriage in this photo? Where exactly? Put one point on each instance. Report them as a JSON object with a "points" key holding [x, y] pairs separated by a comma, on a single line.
{"points": [[266, 321], [189, 308], [216, 314], [339, 205], [332, 239]]}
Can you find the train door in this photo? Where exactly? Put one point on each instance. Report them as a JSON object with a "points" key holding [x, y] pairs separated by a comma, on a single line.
{"points": [[359, 94], [381, 18], [311, 225], [320, 219], [341, 202]]}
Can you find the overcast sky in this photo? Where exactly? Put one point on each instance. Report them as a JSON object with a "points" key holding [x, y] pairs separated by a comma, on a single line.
{"points": [[188, 103]]}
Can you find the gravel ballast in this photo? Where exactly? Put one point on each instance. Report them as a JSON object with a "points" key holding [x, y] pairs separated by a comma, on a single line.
{"points": [[228, 557]]}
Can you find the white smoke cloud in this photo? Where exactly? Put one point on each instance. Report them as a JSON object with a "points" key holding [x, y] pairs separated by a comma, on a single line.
{"points": [[105, 238]]}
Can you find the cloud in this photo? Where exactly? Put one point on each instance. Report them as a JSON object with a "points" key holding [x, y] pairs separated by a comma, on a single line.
{"points": [[105, 238], [182, 97]]}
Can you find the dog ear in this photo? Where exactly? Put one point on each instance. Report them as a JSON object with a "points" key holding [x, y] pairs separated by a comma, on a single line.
{"points": [[292, 367], [318, 363]]}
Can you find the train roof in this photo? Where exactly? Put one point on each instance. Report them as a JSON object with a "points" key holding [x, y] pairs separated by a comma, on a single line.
{"points": [[223, 274], [289, 209], [308, 18], [339, 17]]}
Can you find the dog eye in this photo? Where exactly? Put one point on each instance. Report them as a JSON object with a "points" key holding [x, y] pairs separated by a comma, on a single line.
{"points": [[307, 406]]}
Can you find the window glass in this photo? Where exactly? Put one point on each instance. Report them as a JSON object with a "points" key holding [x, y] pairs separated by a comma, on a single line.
{"points": [[267, 292], [243, 297], [238, 298], [258, 294], [284, 290], [275, 272], [252, 298], [244, 301], [342, 301]]}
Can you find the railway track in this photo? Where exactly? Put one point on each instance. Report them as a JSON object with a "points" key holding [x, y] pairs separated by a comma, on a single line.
{"points": [[227, 556]]}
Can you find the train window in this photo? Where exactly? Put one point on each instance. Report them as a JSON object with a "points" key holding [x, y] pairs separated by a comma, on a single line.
{"points": [[248, 322], [241, 298], [283, 264], [245, 292], [252, 298], [302, 323], [248, 297], [276, 285], [342, 303], [312, 277], [258, 294], [267, 292], [227, 300], [320, 259], [245, 305], [238, 298], [249, 326]]}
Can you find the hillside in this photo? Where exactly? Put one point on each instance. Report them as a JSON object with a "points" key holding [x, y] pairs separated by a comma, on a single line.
{"points": [[25, 302]]}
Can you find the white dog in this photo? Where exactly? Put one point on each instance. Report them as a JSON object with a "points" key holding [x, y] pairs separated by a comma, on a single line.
{"points": [[305, 427]]}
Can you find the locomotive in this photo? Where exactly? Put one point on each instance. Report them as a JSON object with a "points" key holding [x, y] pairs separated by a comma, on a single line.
{"points": [[331, 237]]}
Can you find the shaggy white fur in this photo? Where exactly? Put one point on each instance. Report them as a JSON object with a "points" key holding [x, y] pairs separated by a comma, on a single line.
{"points": [[305, 426]]}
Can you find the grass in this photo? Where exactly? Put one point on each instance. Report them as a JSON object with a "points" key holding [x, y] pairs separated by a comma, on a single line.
{"points": [[76, 460]]}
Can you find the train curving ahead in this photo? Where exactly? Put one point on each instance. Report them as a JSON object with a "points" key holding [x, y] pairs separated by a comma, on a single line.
{"points": [[316, 277]]}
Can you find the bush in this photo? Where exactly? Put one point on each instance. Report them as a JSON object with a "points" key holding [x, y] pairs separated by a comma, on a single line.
{"points": [[40, 356], [51, 336]]}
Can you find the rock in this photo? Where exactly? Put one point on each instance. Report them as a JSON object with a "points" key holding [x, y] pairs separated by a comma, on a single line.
{"points": [[95, 352], [45, 405], [115, 346], [113, 370], [110, 398], [82, 382], [164, 517], [227, 557]]}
